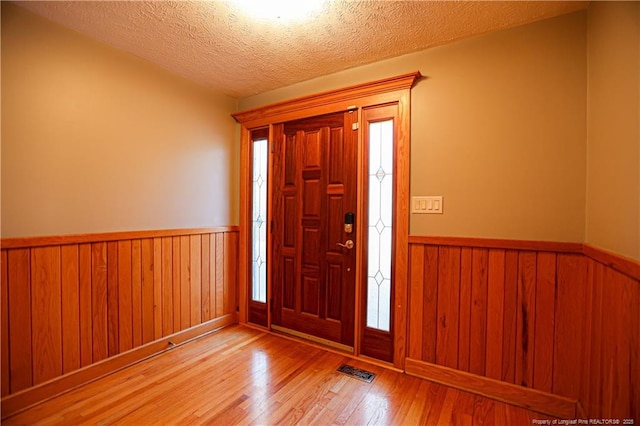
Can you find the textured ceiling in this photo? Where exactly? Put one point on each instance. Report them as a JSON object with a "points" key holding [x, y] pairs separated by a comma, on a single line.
{"points": [[219, 46]]}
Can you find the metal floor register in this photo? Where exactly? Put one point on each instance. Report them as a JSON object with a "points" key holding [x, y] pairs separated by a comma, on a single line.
{"points": [[357, 373]]}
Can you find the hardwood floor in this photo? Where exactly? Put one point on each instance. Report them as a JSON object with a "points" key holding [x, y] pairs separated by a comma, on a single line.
{"points": [[245, 376]]}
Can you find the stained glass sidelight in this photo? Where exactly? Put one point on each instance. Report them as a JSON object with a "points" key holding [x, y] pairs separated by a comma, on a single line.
{"points": [[380, 224], [259, 220]]}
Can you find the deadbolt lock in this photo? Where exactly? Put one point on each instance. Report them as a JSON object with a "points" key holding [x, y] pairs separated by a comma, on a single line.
{"points": [[348, 222]]}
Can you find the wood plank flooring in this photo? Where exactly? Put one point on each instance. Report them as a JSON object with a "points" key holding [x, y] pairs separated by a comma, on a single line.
{"points": [[244, 376]]}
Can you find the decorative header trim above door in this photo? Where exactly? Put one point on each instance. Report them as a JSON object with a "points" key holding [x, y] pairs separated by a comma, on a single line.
{"points": [[271, 113]]}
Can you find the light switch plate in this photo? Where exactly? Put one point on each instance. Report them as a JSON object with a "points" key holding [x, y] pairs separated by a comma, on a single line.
{"points": [[427, 205]]}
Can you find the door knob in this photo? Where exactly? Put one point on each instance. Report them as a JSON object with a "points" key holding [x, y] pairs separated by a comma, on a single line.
{"points": [[348, 244]]}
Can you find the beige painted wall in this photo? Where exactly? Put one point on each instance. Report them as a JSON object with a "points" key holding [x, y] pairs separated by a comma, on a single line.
{"points": [[96, 140], [498, 129], [613, 137]]}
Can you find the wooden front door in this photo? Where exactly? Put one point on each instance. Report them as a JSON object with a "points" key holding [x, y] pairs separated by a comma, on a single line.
{"points": [[314, 187]]}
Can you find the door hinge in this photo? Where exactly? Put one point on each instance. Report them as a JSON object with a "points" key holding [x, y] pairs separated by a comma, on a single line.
{"points": [[355, 126]]}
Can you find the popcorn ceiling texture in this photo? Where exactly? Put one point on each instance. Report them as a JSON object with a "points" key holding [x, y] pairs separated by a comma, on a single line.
{"points": [[215, 44]]}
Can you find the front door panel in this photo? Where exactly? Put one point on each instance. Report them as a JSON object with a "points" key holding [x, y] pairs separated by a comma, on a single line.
{"points": [[314, 188]]}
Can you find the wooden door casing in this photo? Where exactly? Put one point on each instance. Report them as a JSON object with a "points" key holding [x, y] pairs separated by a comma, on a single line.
{"points": [[314, 178], [356, 98]]}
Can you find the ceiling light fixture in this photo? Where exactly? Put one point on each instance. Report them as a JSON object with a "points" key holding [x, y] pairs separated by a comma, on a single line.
{"points": [[280, 10]]}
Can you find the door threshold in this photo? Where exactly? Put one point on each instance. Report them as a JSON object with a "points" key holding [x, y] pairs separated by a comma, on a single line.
{"points": [[312, 338]]}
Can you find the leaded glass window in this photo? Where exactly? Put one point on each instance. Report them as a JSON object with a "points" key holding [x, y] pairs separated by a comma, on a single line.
{"points": [[380, 146], [259, 220]]}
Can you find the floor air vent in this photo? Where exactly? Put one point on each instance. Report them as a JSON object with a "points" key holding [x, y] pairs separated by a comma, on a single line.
{"points": [[349, 370]]}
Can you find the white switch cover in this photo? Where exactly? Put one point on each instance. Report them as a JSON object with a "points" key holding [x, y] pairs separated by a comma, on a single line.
{"points": [[427, 205]]}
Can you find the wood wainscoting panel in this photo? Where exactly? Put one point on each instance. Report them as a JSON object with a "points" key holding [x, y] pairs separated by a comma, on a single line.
{"points": [[71, 302], [18, 269], [98, 300], [46, 327], [510, 315], [4, 312], [610, 379], [543, 316], [545, 321], [448, 306], [570, 324], [85, 304], [495, 314]]}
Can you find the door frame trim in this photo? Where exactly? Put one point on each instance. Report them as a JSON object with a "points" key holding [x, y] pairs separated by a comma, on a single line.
{"points": [[395, 89]]}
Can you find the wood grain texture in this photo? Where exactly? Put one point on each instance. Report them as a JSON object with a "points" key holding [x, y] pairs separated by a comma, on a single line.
{"points": [[195, 256], [70, 306], [448, 306], [525, 343], [205, 275], [113, 315], [220, 295], [569, 330], [46, 306], [185, 282], [85, 302], [544, 322], [416, 301], [478, 340], [99, 300], [4, 331], [70, 299], [167, 287], [176, 283], [19, 401], [213, 264], [495, 314], [325, 102], [184, 386], [136, 292], [429, 313], [594, 304], [365, 97], [158, 289], [510, 316], [400, 254], [125, 299], [622, 264], [557, 322], [149, 304], [466, 308], [513, 394], [19, 292], [592, 394]]}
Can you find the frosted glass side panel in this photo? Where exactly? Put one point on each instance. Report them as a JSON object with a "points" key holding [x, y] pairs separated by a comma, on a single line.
{"points": [[259, 221], [380, 230]]}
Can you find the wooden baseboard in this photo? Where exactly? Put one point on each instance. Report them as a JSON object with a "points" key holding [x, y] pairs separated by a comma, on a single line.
{"points": [[26, 398], [531, 399]]}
